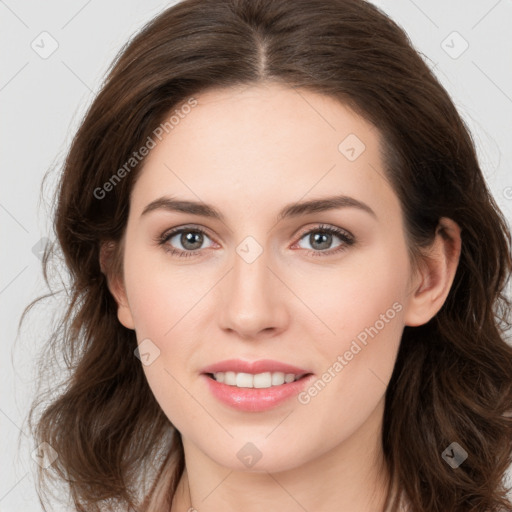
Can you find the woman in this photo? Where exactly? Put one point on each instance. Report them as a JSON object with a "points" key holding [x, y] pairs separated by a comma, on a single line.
{"points": [[287, 275]]}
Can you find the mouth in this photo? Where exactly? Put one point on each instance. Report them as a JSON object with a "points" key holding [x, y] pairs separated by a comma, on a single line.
{"points": [[258, 380]]}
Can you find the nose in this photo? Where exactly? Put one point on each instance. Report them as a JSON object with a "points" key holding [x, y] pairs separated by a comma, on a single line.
{"points": [[253, 299]]}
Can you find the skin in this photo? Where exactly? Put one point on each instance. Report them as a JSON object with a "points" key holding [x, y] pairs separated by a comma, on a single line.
{"points": [[249, 151]]}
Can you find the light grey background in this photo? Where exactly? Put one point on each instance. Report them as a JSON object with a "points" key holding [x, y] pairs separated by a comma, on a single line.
{"points": [[42, 101]]}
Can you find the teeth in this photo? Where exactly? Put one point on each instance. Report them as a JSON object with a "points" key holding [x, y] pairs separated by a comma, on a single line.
{"points": [[260, 380]]}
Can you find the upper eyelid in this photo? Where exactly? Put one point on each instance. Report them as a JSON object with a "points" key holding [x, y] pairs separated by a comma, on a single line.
{"points": [[323, 226]]}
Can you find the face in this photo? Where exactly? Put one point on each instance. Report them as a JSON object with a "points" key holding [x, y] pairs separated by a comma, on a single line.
{"points": [[323, 290]]}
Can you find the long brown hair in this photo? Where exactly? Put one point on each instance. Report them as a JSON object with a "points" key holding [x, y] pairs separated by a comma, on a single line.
{"points": [[452, 381]]}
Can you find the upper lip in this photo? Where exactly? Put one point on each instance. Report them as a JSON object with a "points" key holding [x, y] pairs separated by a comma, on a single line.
{"points": [[254, 367]]}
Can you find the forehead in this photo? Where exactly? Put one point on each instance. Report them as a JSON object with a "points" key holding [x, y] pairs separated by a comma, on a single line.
{"points": [[265, 144]]}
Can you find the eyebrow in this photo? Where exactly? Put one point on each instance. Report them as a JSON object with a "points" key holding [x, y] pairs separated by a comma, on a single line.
{"points": [[292, 210]]}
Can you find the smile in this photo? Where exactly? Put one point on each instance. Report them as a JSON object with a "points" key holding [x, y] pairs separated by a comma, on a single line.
{"points": [[259, 380]]}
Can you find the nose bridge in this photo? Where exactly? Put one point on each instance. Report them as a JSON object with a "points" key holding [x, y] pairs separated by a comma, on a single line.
{"points": [[250, 277]]}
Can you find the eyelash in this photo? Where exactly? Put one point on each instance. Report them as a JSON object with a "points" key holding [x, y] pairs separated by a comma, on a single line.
{"points": [[345, 236]]}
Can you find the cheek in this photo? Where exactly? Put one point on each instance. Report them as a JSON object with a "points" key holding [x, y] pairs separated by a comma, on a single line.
{"points": [[357, 365], [354, 294], [159, 292], [363, 308]]}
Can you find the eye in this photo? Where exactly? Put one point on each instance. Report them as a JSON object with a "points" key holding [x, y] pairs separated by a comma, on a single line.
{"points": [[321, 237], [190, 238]]}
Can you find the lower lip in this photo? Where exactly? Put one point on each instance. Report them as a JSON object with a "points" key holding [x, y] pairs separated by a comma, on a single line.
{"points": [[255, 399]]}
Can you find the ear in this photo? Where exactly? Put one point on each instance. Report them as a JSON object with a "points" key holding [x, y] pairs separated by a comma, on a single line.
{"points": [[112, 269], [432, 282]]}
